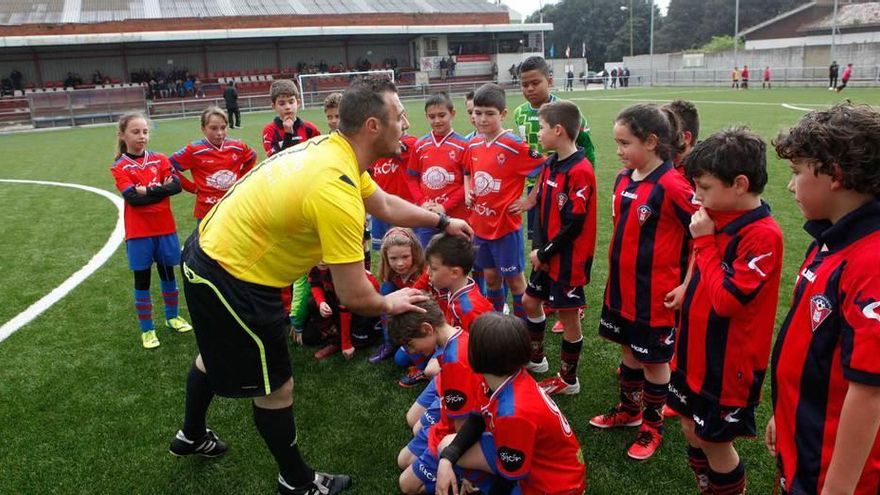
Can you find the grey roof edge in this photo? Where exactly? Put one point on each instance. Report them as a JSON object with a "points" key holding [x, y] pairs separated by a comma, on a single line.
{"points": [[778, 18]]}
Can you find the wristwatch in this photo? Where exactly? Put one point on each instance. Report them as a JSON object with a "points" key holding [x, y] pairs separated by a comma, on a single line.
{"points": [[443, 222]]}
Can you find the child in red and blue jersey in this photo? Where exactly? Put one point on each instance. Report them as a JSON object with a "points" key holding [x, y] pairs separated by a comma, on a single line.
{"points": [[286, 130], [425, 333], [146, 180], [402, 265], [391, 175], [215, 162], [564, 242], [729, 307], [651, 209], [435, 165], [825, 372], [497, 163], [518, 434]]}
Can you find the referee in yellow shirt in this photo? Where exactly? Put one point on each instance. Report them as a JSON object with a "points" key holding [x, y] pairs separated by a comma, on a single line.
{"points": [[295, 209]]}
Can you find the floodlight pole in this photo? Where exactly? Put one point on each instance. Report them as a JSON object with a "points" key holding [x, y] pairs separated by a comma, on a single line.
{"points": [[630, 28], [833, 30], [736, 34], [541, 20], [652, 42]]}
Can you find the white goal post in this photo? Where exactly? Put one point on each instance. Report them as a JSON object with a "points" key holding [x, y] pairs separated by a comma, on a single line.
{"points": [[315, 87]]}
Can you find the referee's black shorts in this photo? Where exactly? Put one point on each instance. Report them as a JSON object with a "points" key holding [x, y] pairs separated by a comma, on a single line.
{"points": [[240, 327]]}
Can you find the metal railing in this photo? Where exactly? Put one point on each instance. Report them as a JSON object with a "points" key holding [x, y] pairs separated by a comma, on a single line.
{"points": [[794, 76]]}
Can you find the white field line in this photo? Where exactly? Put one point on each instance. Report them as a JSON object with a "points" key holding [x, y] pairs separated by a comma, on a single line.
{"points": [[83, 273], [706, 102], [799, 109]]}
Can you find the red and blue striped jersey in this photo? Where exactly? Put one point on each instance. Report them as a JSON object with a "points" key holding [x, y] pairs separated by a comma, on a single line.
{"points": [[465, 305], [391, 173], [534, 442], [566, 205], [648, 254], [214, 169], [498, 169], [729, 308], [152, 169], [437, 162], [831, 337], [276, 139]]}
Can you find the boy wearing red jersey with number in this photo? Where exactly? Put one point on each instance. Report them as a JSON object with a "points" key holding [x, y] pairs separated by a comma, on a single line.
{"points": [[497, 163], [435, 165], [215, 162], [564, 241], [519, 434], [826, 375], [729, 308], [425, 333], [286, 130]]}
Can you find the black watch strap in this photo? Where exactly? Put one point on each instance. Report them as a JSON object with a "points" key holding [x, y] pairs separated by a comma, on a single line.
{"points": [[443, 222]]}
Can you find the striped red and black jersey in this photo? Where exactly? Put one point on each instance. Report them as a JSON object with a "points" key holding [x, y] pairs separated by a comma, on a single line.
{"points": [[465, 305], [565, 234], [648, 253], [729, 308], [214, 169], [831, 337], [276, 139], [436, 162], [391, 173]]}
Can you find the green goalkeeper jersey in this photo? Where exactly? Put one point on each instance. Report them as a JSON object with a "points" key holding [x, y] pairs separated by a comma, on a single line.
{"points": [[526, 119]]}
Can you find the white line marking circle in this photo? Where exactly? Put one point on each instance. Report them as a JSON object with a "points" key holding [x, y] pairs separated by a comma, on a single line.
{"points": [[800, 109], [83, 273]]}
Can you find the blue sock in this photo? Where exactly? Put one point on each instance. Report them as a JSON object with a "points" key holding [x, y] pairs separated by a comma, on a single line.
{"points": [[496, 297], [170, 296], [143, 307]]}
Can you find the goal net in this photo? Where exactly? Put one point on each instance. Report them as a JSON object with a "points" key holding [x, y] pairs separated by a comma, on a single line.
{"points": [[316, 87]]}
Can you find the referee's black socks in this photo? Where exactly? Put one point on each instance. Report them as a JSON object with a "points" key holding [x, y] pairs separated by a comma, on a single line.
{"points": [[198, 398], [277, 428]]}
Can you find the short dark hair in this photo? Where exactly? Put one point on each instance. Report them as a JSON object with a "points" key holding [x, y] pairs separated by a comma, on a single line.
{"points": [[844, 140], [564, 113], [537, 63], [440, 99], [729, 153], [688, 116], [283, 87], [407, 326], [452, 251], [498, 344], [469, 95], [332, 101], [644, 119], [365, 98], [491, 95]]}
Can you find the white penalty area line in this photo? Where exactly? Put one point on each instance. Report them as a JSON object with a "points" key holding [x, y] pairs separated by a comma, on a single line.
{"points": [[83, 273], [799, 109]]}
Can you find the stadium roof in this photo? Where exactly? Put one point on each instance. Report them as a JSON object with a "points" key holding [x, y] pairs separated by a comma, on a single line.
{"points": [[19, 12], [849, 16]]}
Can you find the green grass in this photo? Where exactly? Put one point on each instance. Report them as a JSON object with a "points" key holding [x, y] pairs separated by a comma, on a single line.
{"points": [[86, 410]]}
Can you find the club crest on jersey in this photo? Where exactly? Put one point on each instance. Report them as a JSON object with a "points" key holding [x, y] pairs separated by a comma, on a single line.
{"points": [[485, 184], [645, 213], [437, 178], [501, 158], [820, 308], [561, 198]]}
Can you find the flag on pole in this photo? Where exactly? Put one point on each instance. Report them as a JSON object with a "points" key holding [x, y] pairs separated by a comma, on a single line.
{"points": [[552, 50], [584, 50], [567, 51]]}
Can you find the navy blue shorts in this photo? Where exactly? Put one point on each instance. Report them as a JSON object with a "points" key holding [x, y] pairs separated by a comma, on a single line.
{"points": [[424, 234], [505, 254], [650, 345], [712, 421], [557, 296], [144, 251], [425, 468]]}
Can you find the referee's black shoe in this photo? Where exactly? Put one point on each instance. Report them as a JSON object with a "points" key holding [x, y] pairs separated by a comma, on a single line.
{"points": [[323, 484], [208, 446]]}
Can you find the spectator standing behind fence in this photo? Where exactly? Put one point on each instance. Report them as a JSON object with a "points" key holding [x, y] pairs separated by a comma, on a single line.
{"points": [[833, 71], [569, 77], [231, 97], [735, 76], [745, 77], [766, 83]]}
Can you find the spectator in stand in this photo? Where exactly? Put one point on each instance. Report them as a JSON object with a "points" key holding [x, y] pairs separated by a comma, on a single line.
{"points": [[97, 78], [69, 81], [230, 95], [16, 77], [444, 67], [452, 64]]}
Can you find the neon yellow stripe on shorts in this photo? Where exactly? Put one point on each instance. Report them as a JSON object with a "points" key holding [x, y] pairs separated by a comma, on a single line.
{"points": [[197, 279]]}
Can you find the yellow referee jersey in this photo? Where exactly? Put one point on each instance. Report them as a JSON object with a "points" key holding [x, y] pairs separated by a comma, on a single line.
{"points": [[296, 208]]}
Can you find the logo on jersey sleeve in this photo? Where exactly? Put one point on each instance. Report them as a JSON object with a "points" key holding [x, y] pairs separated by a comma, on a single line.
{"points": [[436, 178], [820, 309], [753, 263], [645, 213], [534, 154], [222, 179], [454, 399], [869, 307], [485, 184], [511, 459]]}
